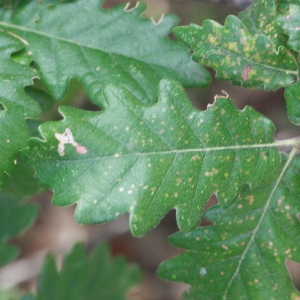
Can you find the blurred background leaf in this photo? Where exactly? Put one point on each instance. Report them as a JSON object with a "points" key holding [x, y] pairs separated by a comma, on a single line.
{"points": [[97, 277]]}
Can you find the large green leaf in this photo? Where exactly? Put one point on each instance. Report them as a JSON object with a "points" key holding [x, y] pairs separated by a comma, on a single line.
{"points": [[15, 105], [242, 256], [99, 46], [249, 61], [98, 277], [149, 159]]}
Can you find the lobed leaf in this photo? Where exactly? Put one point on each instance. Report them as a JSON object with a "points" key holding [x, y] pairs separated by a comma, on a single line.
{"points": [[236, 55], [98, 277], [148, 159], [243, 254], [15, 105], [105, 46]]}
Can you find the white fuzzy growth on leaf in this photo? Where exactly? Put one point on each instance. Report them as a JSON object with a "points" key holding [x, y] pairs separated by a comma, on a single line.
{"points": [[68, 138]]}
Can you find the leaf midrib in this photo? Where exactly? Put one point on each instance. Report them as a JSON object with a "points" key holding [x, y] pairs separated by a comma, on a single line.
{"points": [[266, 208], [286, 71], [178, 151]]}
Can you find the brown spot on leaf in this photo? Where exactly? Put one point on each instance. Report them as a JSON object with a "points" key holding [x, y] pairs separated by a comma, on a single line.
{"points": [[246, 71]]}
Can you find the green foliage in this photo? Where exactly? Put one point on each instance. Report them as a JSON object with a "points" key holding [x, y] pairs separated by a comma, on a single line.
{"points": [[249, 61], [15, 214], [14, 218], [15, 105], [260, 19], [135, 163], [149, 150], [97, 277], [63, 48], [243, 254], [289, 22]]}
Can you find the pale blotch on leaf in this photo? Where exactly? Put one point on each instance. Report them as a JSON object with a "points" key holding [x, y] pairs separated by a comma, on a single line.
{"points": [[245, 72], [67, 138], [203, 271]]}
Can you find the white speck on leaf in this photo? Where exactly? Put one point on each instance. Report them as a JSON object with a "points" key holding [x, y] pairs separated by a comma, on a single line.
{"points": [[225, 247], [203, 271]]}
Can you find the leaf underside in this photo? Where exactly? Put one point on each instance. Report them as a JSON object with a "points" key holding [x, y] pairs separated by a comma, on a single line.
{"points": [[106, 46], [153, 157], [243, 254]]}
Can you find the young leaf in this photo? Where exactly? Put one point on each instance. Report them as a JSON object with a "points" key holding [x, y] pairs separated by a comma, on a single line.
{"points": [[99, 277], [243, 254], [106, 46], [149, 159], [15, 105], [235, 55], [14, 218]]}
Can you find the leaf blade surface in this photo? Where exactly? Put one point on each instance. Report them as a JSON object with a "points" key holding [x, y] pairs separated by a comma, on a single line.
{"points": [[289, 22], [15, 105], [243, 254], [14, 218], [152, 158], [248, 61], [105, 46]]}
